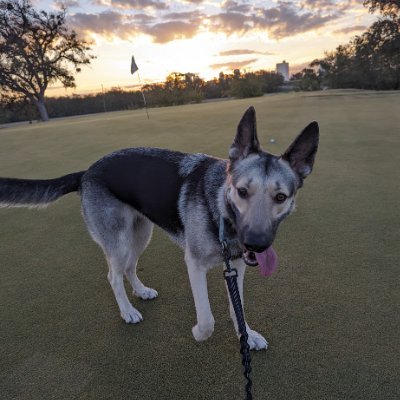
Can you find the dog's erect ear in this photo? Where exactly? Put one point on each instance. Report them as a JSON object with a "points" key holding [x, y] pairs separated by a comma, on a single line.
{"points": [[246, 140], [301, 153]]}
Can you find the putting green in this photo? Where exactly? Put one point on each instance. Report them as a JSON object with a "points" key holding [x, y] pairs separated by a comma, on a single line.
{"points": [[331, 311]]}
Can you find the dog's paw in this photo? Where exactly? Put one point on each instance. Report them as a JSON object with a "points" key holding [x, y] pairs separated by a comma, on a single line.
{"points": [[146, 293], [131, 315], [201, 333], [256, 341]]}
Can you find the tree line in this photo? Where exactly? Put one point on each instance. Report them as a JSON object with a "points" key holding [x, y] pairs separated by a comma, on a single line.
{"points": [[369, 61], [177, 89]]}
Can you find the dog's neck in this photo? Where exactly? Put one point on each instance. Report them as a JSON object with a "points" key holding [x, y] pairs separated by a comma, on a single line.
{"points": [[227, 214]]}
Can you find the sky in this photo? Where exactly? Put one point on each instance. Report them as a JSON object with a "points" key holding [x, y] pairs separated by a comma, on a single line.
{"points": [[203, 36]]}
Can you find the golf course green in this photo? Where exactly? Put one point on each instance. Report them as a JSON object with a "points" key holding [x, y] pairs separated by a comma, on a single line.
{"points": [[331, 312]]}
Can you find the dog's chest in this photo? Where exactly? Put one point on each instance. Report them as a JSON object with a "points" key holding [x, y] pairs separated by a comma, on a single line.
{"points": [[150, 184]]}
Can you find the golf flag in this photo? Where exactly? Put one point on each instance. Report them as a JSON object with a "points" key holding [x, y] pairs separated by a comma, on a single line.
{"points": [[134, 67]]}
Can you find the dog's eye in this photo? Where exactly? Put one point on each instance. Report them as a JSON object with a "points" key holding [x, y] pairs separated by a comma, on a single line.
{"points": [[280, 197], [243, 193]]}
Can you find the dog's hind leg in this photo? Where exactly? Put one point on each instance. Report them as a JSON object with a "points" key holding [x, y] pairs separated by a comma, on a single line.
{"points": [[117, 262], [142, 231], [110, 223], [255, 340]]}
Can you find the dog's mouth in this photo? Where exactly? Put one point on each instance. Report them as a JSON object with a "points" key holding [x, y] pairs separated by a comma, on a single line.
{"points": [[249, 258], [266, 260]]}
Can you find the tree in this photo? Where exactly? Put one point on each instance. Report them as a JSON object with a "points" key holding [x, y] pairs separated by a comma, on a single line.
{"points": [[338, 67], [247, 85], [194, 86], [36, 50], [377, 53], [184, 88], [372, 59], [389, 8], [309, 80], [175, 86], [270, 81]]}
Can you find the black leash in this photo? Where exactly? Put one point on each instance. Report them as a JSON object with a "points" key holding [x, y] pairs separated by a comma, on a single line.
{"points": [[230, 275]]}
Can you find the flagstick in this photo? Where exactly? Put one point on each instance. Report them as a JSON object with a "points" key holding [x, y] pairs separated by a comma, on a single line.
{"points": [[144, 98], [104, 98]]}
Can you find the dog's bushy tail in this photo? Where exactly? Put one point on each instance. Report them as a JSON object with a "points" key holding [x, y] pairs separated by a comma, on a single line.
{"points": [[37, 193]]}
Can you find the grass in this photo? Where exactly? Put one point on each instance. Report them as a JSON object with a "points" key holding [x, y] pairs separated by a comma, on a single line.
{"points": [[331, 311]]}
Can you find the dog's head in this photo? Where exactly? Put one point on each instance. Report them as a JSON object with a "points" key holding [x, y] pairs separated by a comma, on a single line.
{"points": [[262, 186]]}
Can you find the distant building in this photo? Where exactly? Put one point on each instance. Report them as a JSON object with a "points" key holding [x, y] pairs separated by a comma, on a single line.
{"points": [[283, 69]]}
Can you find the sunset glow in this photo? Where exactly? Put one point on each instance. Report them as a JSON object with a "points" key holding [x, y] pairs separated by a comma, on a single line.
{"points": [[204, 37]]}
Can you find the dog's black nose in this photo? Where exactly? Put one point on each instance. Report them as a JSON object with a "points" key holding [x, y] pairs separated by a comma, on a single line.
{"points": [[257, 248], [257, 242]]}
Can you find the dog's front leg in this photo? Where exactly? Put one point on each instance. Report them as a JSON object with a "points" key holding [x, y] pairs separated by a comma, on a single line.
{"points": [[198, 282], [255, 341]]}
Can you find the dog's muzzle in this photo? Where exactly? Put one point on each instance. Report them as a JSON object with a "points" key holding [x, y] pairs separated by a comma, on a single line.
{"points": [[255, 244]]}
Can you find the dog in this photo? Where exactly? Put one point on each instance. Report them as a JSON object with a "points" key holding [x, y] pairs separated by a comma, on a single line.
{"points": [[190, 196]]}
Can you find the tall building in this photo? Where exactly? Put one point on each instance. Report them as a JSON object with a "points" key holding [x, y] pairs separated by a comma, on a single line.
{"points": [[283, 69]]}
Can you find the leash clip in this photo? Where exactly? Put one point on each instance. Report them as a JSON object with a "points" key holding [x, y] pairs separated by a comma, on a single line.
{"points": [[232, 273], [225, 249]]}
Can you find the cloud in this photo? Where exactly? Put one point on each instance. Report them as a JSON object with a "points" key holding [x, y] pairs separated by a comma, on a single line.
{"points": [[234, 6], [284, 20], [231, 65], [176, 25], [187, 15], [350, 29], [163, 29], [133, 4], [238, 52], [107, 23], [231, 22], [144, 19], [318, 4], [60, 4], [328, 5], [167, 31], [287, 20]]}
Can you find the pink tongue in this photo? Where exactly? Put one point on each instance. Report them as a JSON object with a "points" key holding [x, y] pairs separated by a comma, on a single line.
{"points": [[267, 261]]}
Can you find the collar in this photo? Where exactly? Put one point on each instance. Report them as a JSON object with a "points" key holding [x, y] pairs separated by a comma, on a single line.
{"points": [[227, 232]]}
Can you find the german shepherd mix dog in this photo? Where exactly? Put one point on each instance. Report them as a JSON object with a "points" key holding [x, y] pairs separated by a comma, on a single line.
{"points": [[187, 195]]}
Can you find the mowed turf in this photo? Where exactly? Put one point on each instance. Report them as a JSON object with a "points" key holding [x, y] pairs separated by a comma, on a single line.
{"points": [[331, 312]]}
